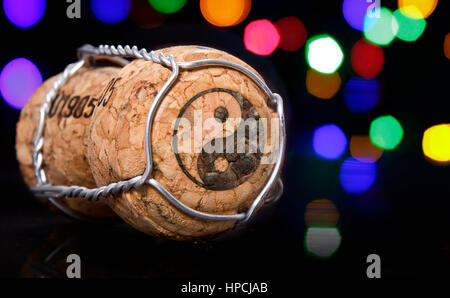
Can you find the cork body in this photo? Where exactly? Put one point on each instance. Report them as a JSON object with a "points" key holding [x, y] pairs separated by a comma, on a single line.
{"points": [[65, 136], [208, 182]]}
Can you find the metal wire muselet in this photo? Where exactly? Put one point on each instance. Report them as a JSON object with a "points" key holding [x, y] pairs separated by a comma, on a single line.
{"points": [[271, 191]]}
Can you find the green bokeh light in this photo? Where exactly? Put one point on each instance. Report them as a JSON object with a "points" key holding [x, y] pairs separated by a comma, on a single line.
{"points": [[324, 54], [167, 6], [384, 30], [386, 132], [409, 29]]}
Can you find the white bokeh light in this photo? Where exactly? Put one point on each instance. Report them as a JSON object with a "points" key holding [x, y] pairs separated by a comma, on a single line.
{"points": [[322, 242], [324, 54]]}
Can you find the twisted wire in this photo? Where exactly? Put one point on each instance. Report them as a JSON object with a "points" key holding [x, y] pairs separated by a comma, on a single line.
{"points": [[38, 142], [127, 51], [48, 190]]}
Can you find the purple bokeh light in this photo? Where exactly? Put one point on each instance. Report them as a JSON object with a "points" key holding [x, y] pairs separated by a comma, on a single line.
{"points": [[356, 14], [24, 13], [329, 141], [19, 79]]}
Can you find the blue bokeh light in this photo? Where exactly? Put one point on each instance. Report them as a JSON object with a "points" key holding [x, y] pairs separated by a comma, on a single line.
{"points": [[361, 95], [356, 176], [111, 11], [356, 14], [19, 79], [24, 13], [329, 141]]}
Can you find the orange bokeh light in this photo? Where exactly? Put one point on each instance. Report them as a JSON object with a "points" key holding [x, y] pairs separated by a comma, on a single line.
{"points": [[225, 13], [447, 46], [321, 213], [362, 149], [322, 85]]}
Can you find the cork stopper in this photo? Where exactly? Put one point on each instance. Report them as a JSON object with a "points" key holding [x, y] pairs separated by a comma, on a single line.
{"points": [[213, 182], [66, 136]]}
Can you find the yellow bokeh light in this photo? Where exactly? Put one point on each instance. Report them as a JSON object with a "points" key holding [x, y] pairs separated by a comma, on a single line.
{"points": [[225, 13], [436, 143], [417, 9], [362, 149], [322, 85]]}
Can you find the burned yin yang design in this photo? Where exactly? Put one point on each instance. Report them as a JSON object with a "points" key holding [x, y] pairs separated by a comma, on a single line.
{"points": [[235, 156]]}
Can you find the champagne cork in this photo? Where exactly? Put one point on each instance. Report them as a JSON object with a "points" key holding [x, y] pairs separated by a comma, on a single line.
{"points": [[216, 183], [65, 136]]}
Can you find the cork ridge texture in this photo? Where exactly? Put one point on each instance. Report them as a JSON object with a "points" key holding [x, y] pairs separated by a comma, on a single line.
{"points": [[65, 136], [220, 184]]}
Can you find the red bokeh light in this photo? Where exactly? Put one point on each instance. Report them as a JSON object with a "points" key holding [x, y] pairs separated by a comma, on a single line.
{"points": [[367, 59], [292, 33], [261, 37], [143, 15]]}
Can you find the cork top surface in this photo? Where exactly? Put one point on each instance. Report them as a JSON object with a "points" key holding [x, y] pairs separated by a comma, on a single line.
{"points": [[209, 182]]}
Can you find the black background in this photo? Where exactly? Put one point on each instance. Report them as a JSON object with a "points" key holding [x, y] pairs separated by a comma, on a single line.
{"points": [[404, 218]]}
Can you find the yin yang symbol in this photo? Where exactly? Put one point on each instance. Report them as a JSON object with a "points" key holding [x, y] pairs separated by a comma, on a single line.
{"points": [[222, 169]]}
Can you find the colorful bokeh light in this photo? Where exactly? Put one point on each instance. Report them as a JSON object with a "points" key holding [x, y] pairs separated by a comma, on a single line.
{"points": [[324, 54], [322, 85], [24, 13], [386, 132], [361, 95], [329, 141], [356, 12], [362, 149], [447, 45], [167, 6], [409, 29], [356, 176], [417, 9], [261, 37], [367, 59], [292, 33], [111, 11], [225, 13], [384, 30], [143, 15], [18, 81], [436, 143], [322, 242], [321, 213]]}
